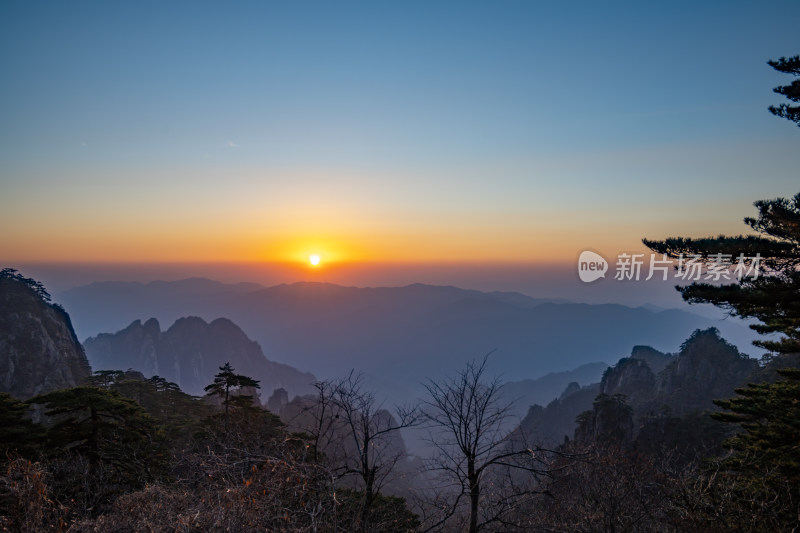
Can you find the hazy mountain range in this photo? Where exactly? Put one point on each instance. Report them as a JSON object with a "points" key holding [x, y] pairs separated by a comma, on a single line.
{"points": [[398, 336], [541, 391], [40, 352], [190, 353]]}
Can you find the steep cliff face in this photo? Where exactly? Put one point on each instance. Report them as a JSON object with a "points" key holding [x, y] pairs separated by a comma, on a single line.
{"points": [[38, 348], [652, 392], [705, 369], [135, 345], [551, 425], [190, 352], [609, 421], [631, 378], [656, 360]]}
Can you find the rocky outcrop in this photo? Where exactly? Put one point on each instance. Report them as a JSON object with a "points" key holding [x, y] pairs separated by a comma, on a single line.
{"points": [[610, 421], [39, 351], [656, 360], [631, 378], [526, 392], [135, 345], [551, 425], [706, 368], [190, 353], [650, 391], [279, 399]]}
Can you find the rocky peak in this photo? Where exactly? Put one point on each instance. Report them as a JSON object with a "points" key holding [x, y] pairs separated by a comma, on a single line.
{"points": [[39, 351], [572, 388], [656, 360], [279, 398], [631, 378], [610, 421], [137, 345], [551, 425], [706, 368], [190, 353]]}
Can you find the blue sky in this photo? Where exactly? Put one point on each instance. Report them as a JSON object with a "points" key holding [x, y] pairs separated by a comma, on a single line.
{"points": [[385, 131]]}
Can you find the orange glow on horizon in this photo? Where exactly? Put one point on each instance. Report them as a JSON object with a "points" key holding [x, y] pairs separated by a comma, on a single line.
{"points": [[339, 244], [313, 252]]}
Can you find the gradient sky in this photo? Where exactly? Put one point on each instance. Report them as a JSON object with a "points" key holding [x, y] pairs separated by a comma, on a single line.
{"points": [[385, 132]]}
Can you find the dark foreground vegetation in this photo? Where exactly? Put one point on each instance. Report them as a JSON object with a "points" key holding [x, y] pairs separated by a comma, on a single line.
{"points": [[125, 453]]}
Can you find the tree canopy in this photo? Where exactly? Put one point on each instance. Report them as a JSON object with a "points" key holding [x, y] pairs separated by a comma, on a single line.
{"points": [[96, 422], [17, 432], [789, 65], [226, 382], [757, 487], [772, 296], [773, 299], [37, 286]]}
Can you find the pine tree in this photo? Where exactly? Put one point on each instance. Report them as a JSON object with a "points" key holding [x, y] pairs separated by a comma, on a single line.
{"points": [[763, 472], [179, 413], [772, 298], [758, 486], [769, 413], [99, 445], [227, 382], [792, 92], [101, 425], [17, 432]]}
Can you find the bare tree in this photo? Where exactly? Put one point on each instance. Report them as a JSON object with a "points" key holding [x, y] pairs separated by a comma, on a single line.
{"points": [[475, 459], [316, 417], [354, 435], [372, 436]]}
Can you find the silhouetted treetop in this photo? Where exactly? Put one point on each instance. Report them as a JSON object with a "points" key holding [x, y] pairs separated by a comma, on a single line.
{"points": [[12, 273], [789, 65], [771, 297]]}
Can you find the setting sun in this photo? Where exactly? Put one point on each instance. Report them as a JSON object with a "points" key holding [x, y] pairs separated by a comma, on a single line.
{"points": [[314, 259]]}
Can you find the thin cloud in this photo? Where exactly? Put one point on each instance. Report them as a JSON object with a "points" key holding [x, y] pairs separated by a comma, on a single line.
{"points": [[232, 144]]}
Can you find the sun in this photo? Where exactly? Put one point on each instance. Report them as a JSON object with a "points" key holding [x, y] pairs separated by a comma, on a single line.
{"points": [[314, 259]]}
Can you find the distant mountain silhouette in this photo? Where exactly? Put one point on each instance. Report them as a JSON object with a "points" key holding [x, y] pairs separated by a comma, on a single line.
{"points": [[551, 386], [400, 335], [189, 354], [39, 351], [550, 424], [658, 387]]}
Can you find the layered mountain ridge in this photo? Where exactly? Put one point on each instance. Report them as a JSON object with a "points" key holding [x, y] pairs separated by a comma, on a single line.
{"points": [[190, 352], [651, 384], [400, 335]]}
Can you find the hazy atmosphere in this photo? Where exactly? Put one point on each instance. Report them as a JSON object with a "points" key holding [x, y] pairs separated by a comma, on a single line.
{"points": [[399, 266], [383, 134]]}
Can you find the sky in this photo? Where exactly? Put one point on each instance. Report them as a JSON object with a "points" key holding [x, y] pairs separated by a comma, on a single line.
{"points": [[484, 144]]}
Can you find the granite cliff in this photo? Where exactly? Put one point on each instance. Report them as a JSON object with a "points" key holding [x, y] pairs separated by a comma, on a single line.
{"points": [[644, 390], [39, 351]]}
